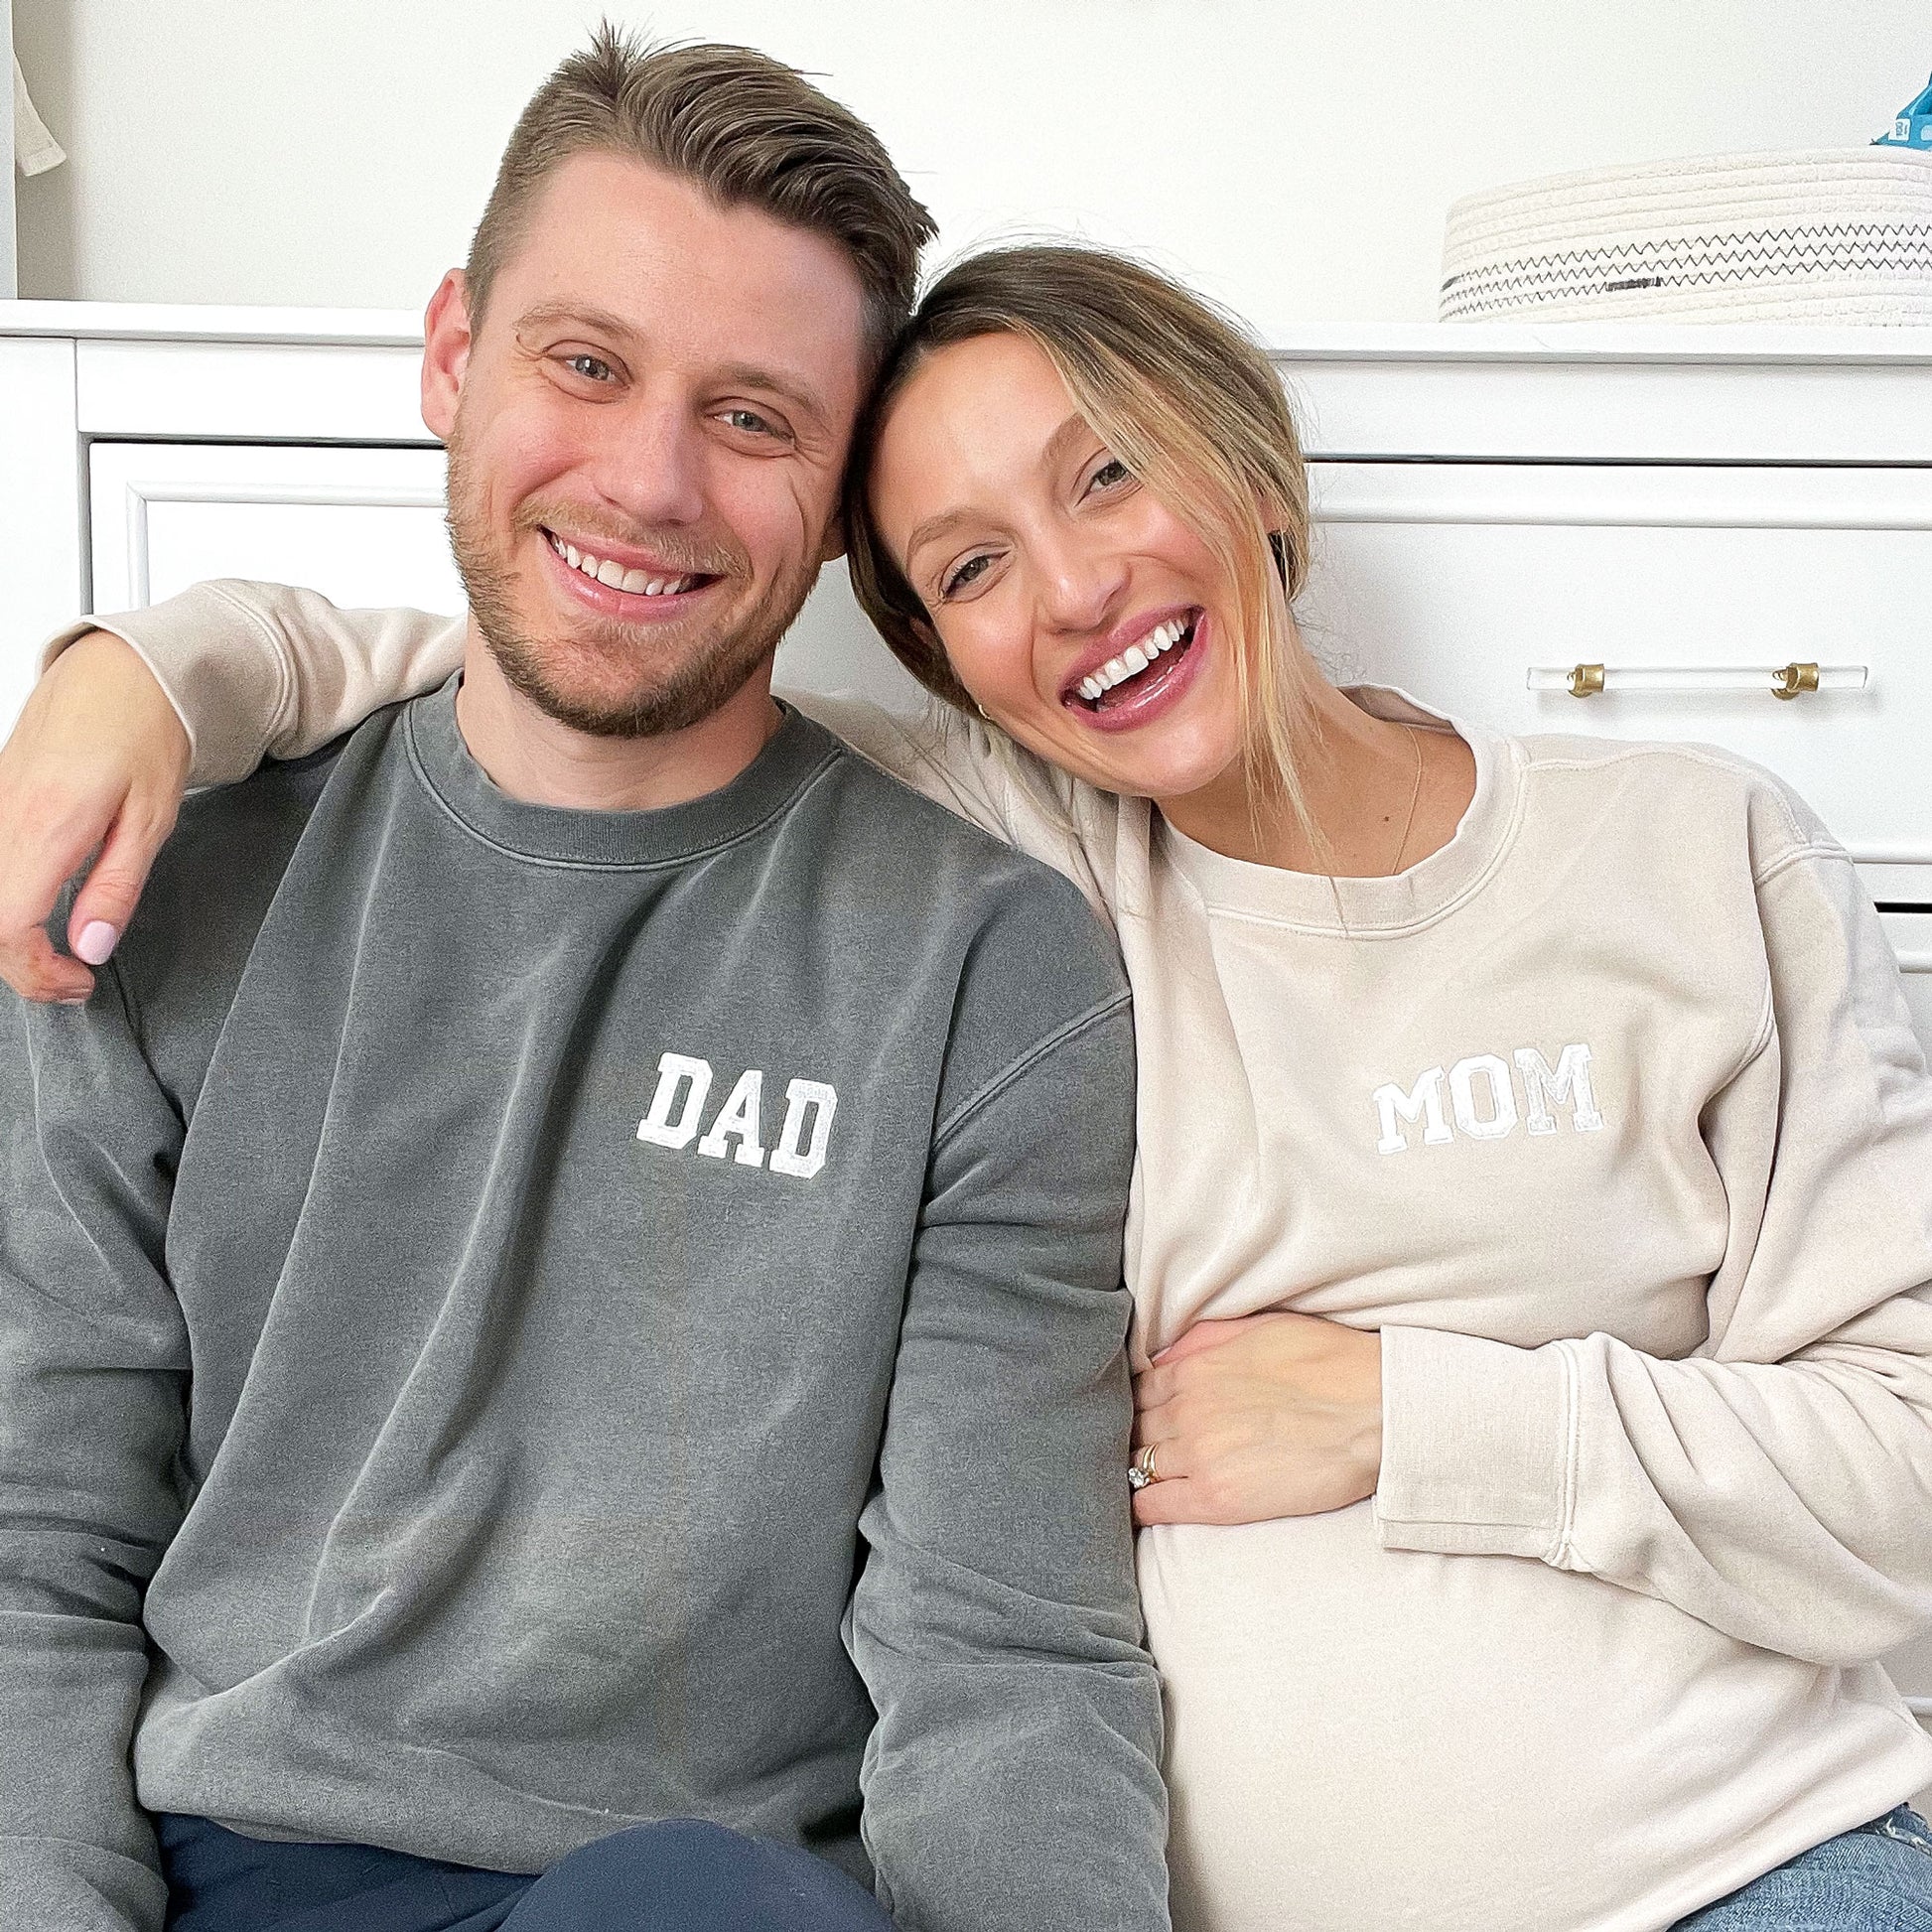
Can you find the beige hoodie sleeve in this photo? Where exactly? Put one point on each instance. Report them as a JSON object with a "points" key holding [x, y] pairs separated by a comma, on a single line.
{"points": [[260, 672], [1777, 1484], [264, 671]]}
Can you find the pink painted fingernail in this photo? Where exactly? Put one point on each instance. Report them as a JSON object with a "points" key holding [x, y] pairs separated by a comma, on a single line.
{"points": [[97, 941]]}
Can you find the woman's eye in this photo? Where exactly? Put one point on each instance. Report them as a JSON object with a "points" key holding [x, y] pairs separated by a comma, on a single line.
{"points": [[967, 573], [1110, 475], [593, 369]]}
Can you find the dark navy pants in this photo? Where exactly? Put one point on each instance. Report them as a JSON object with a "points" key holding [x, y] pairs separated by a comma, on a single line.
{"points": [[679, 1876]]}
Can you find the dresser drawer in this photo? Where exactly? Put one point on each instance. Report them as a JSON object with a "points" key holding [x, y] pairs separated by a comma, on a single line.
{"points": [[1461, 582], [365, 526]]}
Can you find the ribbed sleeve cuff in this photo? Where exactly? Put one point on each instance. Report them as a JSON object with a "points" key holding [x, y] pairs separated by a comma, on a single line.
{"points": [[1477, 1445], [230, 701]]}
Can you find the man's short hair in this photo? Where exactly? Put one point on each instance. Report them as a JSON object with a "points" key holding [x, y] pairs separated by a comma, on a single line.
{"points": [[750, 130]]}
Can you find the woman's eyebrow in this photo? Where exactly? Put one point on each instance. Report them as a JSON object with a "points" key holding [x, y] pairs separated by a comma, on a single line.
{"points": [[1069, 432], [935, 527], [1052, 450]]}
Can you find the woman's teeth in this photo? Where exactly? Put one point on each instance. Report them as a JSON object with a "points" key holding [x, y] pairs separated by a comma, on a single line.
{"points": [[1135, 658], [640, 583]]}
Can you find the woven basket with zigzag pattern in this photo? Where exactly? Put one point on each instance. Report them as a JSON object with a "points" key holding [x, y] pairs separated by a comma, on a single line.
{"points": [[1833, 235]]}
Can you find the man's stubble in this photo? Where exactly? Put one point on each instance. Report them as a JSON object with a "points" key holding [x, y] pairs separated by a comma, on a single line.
{"points": [[673, 688]]}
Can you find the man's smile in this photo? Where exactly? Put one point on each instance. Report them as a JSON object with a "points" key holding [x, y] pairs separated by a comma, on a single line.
{"points": [[631, 584]]}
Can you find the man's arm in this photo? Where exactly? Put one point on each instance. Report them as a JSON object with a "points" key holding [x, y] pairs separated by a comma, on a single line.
{"points": [[93, 1366], [1012, 1779]]}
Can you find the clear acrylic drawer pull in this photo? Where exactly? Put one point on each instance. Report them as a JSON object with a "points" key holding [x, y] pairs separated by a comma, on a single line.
{"points": [[1779, 681]]}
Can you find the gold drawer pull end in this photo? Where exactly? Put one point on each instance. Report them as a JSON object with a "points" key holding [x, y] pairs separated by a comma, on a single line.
{"points": [[1587, 680], [1793, 679]]}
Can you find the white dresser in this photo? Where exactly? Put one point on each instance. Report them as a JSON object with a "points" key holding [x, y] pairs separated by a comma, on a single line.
{"points": [[1675, 523]]}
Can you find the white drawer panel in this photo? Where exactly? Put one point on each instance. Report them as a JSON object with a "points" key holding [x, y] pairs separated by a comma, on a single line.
{"points": [[340, 393], [365, 526], [361, 526], [1455, 580]]}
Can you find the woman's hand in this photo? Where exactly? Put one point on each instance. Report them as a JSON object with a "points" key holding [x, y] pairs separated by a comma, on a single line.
{"points": [[1273, 1415], [98, 759]]}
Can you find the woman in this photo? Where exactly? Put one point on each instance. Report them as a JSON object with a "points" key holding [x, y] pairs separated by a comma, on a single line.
{"points": [[1531, 1241]]}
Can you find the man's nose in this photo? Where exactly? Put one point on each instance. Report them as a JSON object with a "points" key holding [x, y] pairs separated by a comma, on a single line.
{"points": [[651, 466]]}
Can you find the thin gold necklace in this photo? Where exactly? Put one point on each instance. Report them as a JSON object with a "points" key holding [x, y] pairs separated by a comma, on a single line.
{"points": [[1409, 823]]}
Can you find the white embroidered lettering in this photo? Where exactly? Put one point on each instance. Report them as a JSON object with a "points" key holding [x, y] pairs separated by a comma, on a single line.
{"points": [[1546, 1090], [737, 1119], [1499, 1118], [1426, 1100], [1482, 1092], [676, 1072], [802, 1099]]}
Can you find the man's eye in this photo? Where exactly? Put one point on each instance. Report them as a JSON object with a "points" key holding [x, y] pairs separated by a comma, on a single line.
{"points": [[749, 421], [967, 573], [593, 369]]}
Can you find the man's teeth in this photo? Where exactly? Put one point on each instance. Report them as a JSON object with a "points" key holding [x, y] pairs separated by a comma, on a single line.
{"points": [[639, 582], [1133, 660]]}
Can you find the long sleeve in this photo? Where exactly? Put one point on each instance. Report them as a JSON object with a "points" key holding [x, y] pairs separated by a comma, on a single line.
{"points": [[1013, 1779], [260, 672], [93, 1365], [1777, 1483]]}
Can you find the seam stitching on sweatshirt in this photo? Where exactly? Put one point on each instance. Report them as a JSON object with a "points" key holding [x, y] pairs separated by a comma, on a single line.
{"points": [[1565, 1549], [1079, 1024], [1793, 854], [1365, 929], [285, 681], [791, 799], [1627, 754]]}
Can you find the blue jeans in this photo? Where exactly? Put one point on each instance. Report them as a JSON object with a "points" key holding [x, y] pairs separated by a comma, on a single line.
{"points": [[679, 1876], [1878, 1878]]}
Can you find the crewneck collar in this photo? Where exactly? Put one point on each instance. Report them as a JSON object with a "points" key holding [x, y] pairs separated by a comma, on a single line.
{"points": [[558, 836], [1383, 908]]}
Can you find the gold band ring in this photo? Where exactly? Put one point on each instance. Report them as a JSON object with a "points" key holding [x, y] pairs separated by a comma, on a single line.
{"points": [[1145, 1463]]}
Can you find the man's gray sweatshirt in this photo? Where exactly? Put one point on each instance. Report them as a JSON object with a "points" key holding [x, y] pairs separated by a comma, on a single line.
{"points": [[516, 1322]]}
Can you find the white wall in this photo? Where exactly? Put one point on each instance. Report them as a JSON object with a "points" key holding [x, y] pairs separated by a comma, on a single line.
{"points": [[1292, 157]]}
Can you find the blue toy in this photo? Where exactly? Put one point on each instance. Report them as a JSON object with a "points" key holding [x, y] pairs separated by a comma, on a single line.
{"points": [[1913, 127]]}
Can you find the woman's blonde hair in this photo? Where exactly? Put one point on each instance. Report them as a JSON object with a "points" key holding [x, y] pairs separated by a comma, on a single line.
{"points": [[1188, 402]]}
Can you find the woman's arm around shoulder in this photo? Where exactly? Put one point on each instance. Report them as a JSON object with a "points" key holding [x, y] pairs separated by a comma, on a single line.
{"points": [[199, 689]]}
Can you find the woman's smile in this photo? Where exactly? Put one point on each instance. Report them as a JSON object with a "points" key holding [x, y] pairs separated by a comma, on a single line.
{"points": [[1145, 678]]}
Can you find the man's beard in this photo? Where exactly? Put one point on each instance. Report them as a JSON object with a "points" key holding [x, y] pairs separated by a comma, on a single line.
{"points": [[668, 693]]}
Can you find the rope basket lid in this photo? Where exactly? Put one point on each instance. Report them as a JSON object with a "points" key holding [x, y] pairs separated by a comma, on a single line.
{"points": [[1823, 235]]}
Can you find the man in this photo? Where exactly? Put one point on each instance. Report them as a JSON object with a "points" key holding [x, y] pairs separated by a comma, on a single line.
{"points": [[565, 1275]]}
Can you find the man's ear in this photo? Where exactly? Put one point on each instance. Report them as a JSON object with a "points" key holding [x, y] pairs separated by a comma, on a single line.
{"points": [[445, 352], [834, 544]]}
